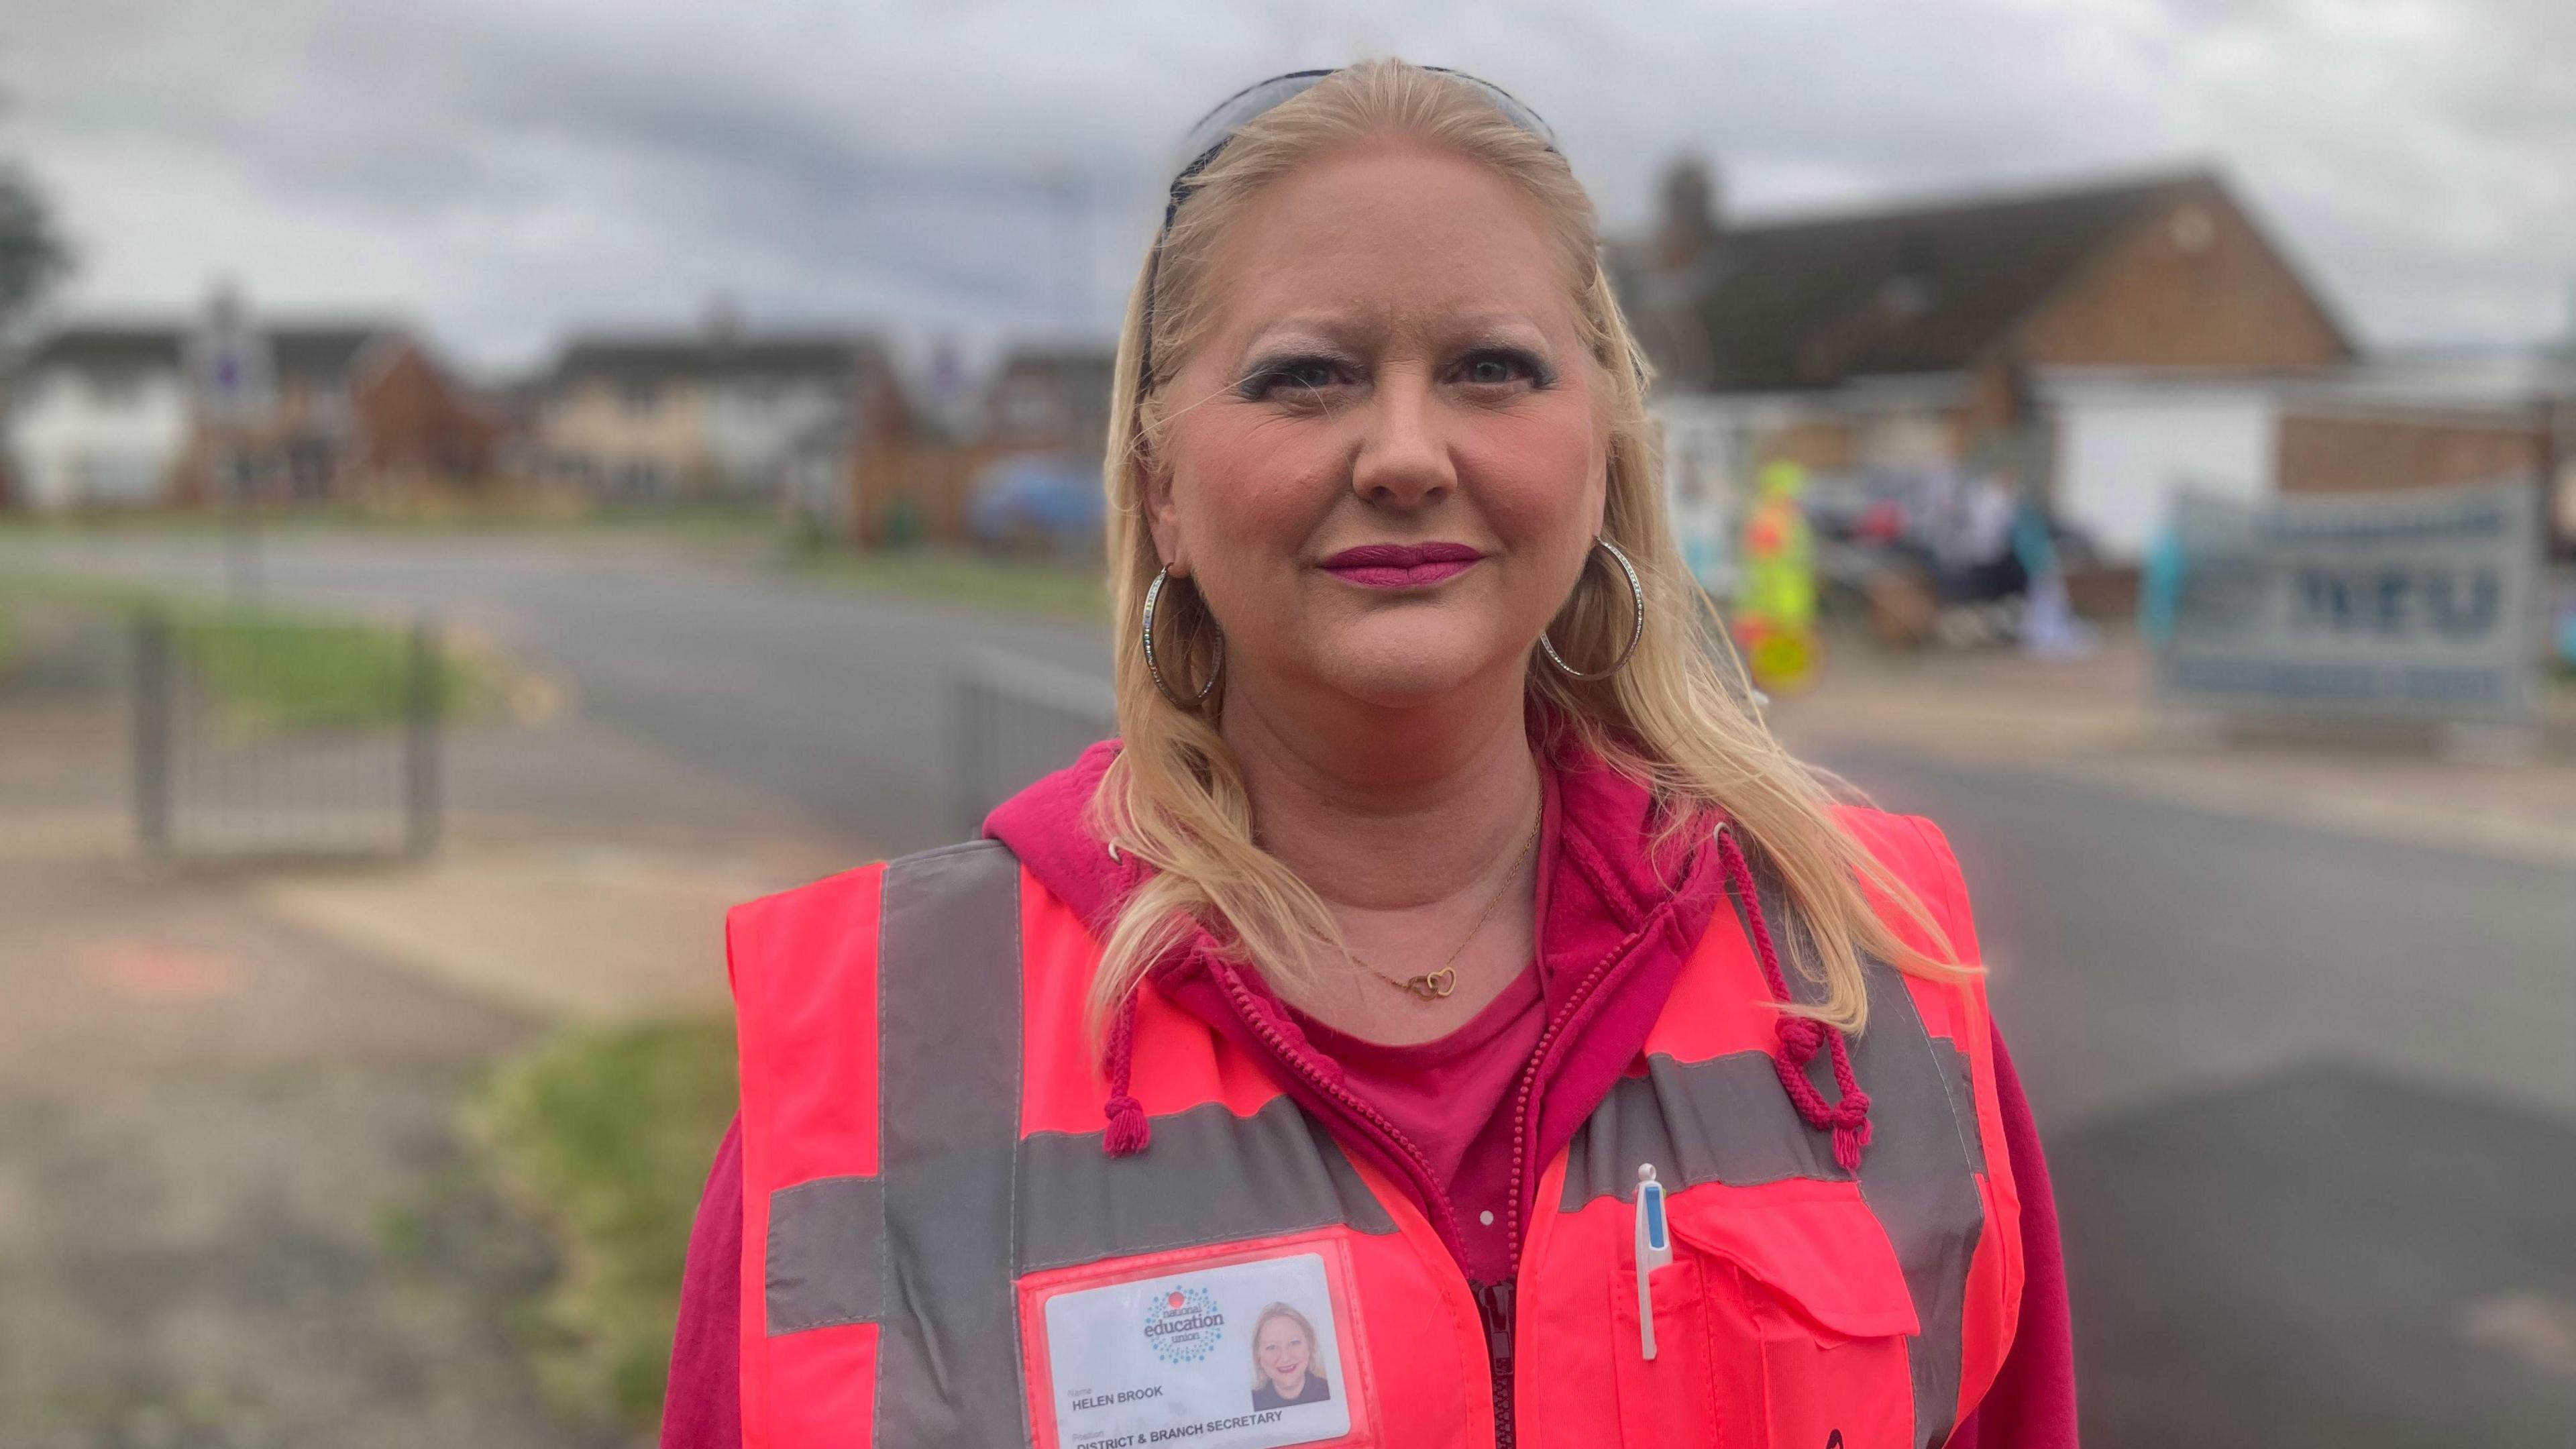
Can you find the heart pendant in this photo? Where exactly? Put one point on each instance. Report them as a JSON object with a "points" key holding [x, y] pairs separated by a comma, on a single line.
{"points": [[1436, 985]]}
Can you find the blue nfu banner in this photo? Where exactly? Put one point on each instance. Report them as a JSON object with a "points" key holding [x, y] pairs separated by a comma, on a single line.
{"points": [[2416, 604]]}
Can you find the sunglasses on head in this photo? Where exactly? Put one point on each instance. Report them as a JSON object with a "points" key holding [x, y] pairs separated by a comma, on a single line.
{"points": [[1208, 138]]}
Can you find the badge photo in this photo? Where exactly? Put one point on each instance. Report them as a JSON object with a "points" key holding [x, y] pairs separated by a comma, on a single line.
{"points": [[1244, 1354]]}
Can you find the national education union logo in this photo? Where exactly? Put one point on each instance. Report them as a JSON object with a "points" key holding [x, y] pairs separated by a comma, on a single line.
{"points": [[1183, 1325]]}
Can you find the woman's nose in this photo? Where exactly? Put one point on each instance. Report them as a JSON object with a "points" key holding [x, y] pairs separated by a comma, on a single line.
{"points": [[1403, 460]]}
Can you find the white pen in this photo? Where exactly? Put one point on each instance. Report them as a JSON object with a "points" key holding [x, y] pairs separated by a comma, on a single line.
{"points": [[1654, 1250]]}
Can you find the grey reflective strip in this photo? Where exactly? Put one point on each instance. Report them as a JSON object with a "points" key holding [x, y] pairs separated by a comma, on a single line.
{"points": [[826, 1260], [1962, 1080], [1916, 1177], [1210, 1177], [948, 1074], [1727, 1121], [1724, 1120], [930, 1248]]}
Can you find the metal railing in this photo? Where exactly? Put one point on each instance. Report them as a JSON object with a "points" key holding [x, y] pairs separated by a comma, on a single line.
{"points": [[1014, 719], [257, 736]]}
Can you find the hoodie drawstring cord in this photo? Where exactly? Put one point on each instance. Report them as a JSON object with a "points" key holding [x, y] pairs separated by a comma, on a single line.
{"points": [[1129, 1133], [1801, 1035]]}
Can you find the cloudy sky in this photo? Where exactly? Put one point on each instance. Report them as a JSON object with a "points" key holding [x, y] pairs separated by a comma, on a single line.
{"points": [[502, 170]]}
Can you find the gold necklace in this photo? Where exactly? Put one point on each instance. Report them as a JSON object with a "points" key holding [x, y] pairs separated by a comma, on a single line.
{"points": [[1433, 985]]}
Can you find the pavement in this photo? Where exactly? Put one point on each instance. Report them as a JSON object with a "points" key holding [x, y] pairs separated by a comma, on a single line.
{"points": [[229, 1211], [2295, 1014], [2097, 721], [832, 703]]}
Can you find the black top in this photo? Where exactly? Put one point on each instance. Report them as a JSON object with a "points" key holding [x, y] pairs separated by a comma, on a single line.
{"points": [[1315, 1392]]}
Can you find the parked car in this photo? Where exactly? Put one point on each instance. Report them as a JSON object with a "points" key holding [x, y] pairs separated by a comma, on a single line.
{"points": [[1039, 502]]}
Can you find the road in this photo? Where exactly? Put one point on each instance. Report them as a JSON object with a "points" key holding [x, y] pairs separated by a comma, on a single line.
{"points": [[2311, 1098], [832, 700]]}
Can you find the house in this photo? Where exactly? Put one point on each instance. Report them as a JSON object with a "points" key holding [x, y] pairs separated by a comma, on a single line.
{"points": [[227, 406], [417, 424], [1035, 429], [1910, 338], [1861, 328], [100, 415], [1050, 398], [661, 417]]}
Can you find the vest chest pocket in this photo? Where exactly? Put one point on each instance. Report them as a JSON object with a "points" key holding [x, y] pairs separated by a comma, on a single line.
{"points": [[1782, 1320]]}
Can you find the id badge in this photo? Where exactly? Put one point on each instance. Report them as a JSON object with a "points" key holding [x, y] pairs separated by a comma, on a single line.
{"points": [[1249, 1354]]}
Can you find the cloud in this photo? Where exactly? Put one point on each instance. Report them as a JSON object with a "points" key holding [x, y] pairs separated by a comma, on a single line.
{"points": [[500, 171]]}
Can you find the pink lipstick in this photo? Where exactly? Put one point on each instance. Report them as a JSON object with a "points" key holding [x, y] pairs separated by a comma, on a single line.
{"points": [[1401, 565]]}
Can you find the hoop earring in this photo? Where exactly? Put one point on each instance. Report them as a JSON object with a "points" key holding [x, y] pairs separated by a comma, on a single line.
{"points": [[1153, 666], [1636, 624]]}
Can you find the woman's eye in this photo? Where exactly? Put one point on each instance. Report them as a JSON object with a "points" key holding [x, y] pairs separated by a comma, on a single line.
{"points": [[1496, 369], [1310, 374], [1294, 376]]}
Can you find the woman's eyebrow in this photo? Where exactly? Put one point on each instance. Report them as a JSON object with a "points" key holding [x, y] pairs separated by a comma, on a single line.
{"points": [[1513, 327], [1306, 331], [1333, 332], [1495, 321]]}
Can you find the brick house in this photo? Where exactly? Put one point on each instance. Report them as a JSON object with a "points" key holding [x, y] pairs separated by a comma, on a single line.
{"points": [[1050, 397], [151, 414], [1042, 404], [1866, 330], [2111, 341], [417, 424]]}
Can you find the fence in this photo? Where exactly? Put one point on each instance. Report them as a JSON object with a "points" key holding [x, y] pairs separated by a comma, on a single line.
{"points": [[1015, 719], [265, 736]]}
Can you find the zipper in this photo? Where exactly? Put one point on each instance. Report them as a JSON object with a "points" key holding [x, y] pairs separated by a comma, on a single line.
{"points": [[1529, 1080], [1494, 1310], [1493, 1300], [1444, 1220]]}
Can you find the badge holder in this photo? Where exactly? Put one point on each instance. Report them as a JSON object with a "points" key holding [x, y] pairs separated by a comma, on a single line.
{"points": [[1132, 1352]]}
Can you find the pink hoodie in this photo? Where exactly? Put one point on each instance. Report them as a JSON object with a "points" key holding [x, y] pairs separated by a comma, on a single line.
{"points": [[1617, 923], [1617, 928]]}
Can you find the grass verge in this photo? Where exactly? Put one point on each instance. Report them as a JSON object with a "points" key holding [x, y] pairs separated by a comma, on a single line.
{"points": [[603, 1134], [278, 668]]}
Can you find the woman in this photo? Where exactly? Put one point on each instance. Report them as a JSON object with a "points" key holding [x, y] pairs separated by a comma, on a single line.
{"points": [[1446, 941], [1283, 1360]]}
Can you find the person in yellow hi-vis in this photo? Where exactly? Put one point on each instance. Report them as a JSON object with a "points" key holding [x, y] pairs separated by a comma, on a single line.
{"points": [[1775, 606]]}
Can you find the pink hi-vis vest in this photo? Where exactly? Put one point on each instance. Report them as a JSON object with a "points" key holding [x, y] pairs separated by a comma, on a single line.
{"points": [[938, 1253]]}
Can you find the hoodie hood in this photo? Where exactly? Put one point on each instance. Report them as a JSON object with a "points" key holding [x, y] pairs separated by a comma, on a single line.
{"points": [[1618, 918], [1048, 826], [1600, 883]]}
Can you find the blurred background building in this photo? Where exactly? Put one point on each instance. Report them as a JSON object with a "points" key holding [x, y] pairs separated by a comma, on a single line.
{"points": [[202, 411], [715, 416]]}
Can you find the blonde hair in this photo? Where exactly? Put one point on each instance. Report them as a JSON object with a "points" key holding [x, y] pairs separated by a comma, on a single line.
{"points": [[1313, 1348], [1676, 718]]}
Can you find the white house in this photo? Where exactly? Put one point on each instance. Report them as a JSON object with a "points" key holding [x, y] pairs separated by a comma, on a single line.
{"points": [[767, 399], [189, 409], [101, 416]]}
